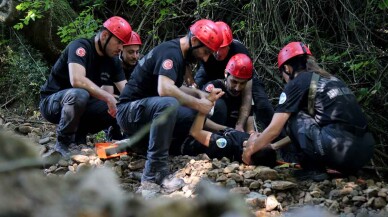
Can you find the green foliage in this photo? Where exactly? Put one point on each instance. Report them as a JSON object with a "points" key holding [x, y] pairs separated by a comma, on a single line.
{"points": [[383, 4], [22, 72], [84, 26], [33, 10]]}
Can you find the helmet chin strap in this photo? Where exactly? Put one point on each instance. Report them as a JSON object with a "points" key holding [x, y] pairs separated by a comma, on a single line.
{"points": [[189, 56], [103, 49]]}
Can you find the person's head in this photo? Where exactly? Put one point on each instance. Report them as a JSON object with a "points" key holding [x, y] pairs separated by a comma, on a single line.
{"points": [[204, 38], [293, 58], [238, 72], [131, 49], [296, 57], [116, 31], [227, 36]]}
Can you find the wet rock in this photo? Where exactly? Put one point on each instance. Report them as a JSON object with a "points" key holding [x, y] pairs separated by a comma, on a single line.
{"points": [[255, 200], [379, 203], [271, 203], [80, 158], [44, 140], [282, 185], [266, 173], [138, 164], [236, 177], [24, 129], [240, 190]]}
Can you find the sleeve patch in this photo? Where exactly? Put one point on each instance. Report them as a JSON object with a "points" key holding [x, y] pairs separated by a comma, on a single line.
{"points": [[282, 98], [80, 52], [209, 88], [167, 64], [221, 142]]}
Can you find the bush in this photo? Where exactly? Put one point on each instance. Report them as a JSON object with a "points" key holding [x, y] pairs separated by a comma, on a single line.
{"points": [[22, 71]]}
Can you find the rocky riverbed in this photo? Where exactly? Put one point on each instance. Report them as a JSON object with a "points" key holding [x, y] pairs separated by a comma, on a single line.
{"points": [[88, 186]]}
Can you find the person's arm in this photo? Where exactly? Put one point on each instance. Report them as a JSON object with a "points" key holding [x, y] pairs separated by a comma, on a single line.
{"points": [[197, 131], [120, 85], [108, 88], [78, 79], [255, 144], [194, 92], [245, 108], [166, 87], [213, 126]]}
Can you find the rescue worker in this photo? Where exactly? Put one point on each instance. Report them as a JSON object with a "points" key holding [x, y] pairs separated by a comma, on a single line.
{"points": [[237, 74], [129, 58], [72, 97], [213, 69], [155, 86], [322, 116], [226, 142]]}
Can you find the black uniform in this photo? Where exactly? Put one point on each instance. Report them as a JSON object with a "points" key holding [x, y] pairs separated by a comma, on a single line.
{"points": [[335, 135], [73, 109], [140, 103], [227, 108], [127, 69], [214, 69], [228, 143]]}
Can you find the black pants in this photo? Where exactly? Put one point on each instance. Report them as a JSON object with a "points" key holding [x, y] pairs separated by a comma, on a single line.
{"points": [[133, 116], [76, 113], [346, 149]]}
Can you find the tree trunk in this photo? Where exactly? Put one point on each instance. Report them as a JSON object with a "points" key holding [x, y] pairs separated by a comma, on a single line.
{"points": [[41, 33]]}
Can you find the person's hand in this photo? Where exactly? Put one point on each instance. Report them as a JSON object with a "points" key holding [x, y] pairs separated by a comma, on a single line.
{"points": [[215, 94], [239, 128], [248, 148], [205, 105], [112, 108]]}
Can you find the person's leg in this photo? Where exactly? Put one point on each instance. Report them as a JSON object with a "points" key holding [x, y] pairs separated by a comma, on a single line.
{"points": [[347, 151], [305, 134], [262, 107], [65, 108], [162, 113], [94, 119], [185, 118]]}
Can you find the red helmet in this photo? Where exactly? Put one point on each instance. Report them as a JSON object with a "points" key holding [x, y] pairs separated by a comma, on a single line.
{"points": [[291, 50], [134, 40], [227, 34], [240, 66], [208, 33], [119, 27]]}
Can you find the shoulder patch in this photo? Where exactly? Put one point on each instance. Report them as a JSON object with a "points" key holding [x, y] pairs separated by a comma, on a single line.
{"points": [[283, 98], [209, 88], [80, 52], [221, 142], [167, 64]]}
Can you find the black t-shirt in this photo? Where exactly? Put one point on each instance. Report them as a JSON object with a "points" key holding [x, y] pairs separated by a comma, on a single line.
{"points": [[215, 69], [127, 69], [334, 101], [165, 59], [83, 52], [233, 103]]}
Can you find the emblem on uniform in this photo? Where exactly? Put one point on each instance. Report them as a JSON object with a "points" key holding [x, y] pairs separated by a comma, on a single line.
{"points": [[209, 88], [221, 142], [167, 64], [283, 98], [80, 52]]}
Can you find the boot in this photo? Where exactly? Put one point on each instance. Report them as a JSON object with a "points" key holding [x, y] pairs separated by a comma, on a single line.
{"points": [[171, 183], [63, 149]]}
